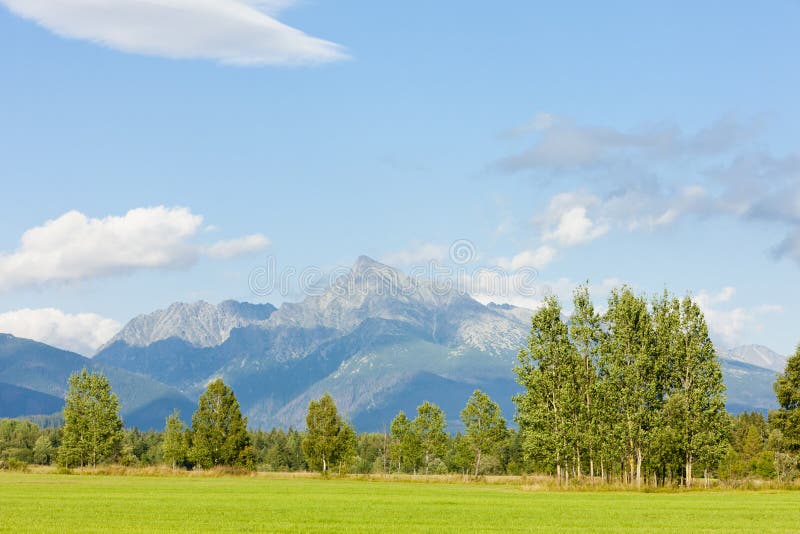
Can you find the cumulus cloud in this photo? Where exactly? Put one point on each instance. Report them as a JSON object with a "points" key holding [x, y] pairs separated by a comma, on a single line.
{"points": [[566, 220], [83, 333], [237, 247], [239, 32], [731, 324], [76, 247]]}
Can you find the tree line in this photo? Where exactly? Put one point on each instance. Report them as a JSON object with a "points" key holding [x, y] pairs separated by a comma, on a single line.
{"points": [[633, 395], [92, 434]]}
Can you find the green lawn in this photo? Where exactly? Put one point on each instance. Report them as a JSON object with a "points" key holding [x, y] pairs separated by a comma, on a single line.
{"points": [[68, 503]]}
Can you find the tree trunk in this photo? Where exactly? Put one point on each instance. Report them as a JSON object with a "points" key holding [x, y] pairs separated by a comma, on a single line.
{"points": [[689, 472], [477, 463], [638, 467], [631, 467]]}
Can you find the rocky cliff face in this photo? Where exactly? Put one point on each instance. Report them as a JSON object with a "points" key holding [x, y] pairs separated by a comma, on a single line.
{"points": [[201, 324]]}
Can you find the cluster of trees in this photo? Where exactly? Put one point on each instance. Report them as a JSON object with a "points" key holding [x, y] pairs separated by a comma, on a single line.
{"points": [[635, 393], [423, 443]]}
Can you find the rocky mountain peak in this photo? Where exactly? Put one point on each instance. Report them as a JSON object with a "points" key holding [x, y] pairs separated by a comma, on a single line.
{"points": [[200, 323], [759, 356]]}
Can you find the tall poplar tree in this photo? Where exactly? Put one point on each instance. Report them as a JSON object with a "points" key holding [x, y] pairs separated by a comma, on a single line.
{"points": [[586, 335], [547, 371], [697, 384], [628, 370]]}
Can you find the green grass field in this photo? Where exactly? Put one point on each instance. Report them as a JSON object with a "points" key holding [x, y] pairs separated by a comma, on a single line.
{"points": [[68, 503]]}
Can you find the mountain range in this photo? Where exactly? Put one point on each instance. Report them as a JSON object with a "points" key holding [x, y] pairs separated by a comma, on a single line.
{"points": [[378, 340]]}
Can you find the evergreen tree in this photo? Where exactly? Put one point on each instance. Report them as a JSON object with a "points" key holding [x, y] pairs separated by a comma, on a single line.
{"points": [[787, 417], [92, 429], [429, 427], [219, 431], [175, 448], [330, 440]]}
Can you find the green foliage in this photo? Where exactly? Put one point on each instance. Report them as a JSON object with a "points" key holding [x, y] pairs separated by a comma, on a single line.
{"points": [[219, 431], [279, 450], [330, 441], [485, 427], [405, 451], [175, 449], [547, 410], [787, 417], [638, 391], [17, 441], [92, 431], [429, 428]]}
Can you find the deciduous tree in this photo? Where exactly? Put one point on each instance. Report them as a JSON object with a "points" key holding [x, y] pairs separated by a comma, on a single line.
{"points": [[485, 427], [92, 429], [429, 426], [330, 440]]}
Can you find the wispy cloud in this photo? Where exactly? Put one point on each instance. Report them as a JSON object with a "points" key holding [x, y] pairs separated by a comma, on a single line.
{"points": [[538, 258], [731, 324], [76, 247], [654, 176], [237, 247], [562, 144], [239, 32], [83, 333]]}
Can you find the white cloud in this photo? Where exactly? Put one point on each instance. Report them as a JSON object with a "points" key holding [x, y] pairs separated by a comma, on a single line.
{"points": [[731, 325], [418, 253], [566, 220], [83, 333], [510, 288], [538, 258], [237, 247], [240, 32], [76, 247]]}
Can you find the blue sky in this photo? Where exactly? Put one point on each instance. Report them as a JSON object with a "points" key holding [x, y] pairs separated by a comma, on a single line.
{"points": [[654, 144]]}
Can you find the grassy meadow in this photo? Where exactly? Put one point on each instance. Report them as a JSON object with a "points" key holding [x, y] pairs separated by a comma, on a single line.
{"points": [[68, 503]]}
